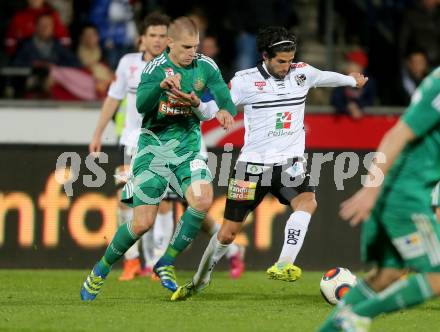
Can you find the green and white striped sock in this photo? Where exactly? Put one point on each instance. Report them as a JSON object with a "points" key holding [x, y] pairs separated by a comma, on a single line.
{"points": [[402, 294], [122, 241], [187, 229]]}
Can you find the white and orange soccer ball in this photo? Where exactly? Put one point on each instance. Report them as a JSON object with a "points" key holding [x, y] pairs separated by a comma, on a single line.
{"points": [[335, 283]]}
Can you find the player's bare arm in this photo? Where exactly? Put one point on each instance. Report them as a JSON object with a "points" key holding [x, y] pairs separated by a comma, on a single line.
{"points": [[358, 207], [109, 108]]}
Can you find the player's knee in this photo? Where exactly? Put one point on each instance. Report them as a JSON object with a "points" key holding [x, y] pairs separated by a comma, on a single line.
{"points": [[141, 226], [142, 222], [312, 205], [305, 202], [165, 207]]}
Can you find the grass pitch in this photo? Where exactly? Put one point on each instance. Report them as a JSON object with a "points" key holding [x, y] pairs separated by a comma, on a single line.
{"points": [[48, 300]]}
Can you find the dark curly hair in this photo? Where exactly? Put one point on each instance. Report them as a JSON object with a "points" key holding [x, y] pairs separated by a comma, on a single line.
{"points": [[275, 39]]}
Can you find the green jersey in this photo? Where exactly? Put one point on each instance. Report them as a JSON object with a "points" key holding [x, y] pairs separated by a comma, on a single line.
{"points": [[169, 120], [417, 170]]}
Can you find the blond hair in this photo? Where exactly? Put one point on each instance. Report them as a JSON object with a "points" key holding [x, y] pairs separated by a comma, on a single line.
{"points": [[182, 24]]}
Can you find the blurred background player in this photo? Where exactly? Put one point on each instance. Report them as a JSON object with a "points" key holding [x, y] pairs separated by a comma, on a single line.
{"points": [[235, 253], [153, 42], [399, 230], [436, 201]]}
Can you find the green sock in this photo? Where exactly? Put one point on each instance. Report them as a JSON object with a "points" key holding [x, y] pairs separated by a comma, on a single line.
{"points": [[357, 294], [187, 229], [122, 241], [402, 294]]}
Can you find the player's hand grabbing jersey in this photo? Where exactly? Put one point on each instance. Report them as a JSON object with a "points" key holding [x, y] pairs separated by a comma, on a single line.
{"points": [[168, 119]]}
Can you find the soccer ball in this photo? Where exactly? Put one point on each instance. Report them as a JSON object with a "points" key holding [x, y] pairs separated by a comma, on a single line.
{"points": [[335, 283]]}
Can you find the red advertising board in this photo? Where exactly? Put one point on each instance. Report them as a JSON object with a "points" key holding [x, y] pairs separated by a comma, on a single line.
{"points": [[324, 131]]}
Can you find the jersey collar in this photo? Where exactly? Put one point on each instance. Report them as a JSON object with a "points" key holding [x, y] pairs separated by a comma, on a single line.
{"points": [[263, 71]]}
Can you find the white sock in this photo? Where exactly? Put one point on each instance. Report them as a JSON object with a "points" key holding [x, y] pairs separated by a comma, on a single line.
{"points": [[233, 249], [213, 253], [294, 234], [148, 245], [163, 231], [132, 252], [214, 229]]}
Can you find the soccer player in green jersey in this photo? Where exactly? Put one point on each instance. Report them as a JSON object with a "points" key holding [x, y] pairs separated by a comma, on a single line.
{"points": [[400, 231], [168, 151]]}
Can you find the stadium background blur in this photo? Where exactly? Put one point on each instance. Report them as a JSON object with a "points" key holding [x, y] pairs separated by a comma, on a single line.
{"points": [[48, 110]]}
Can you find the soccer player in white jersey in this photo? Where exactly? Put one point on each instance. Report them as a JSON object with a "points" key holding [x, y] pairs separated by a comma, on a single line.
{"points": [[436, 201], [273, 95], [153, 41]]}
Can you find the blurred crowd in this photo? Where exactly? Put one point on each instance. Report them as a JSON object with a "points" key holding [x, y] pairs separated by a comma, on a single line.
{"points": [[395, 42], [69, 49]]}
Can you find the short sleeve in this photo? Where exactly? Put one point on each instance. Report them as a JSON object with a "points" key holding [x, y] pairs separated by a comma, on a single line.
{"points": [[235, 86], [118, 88], [423, 113], [436, 196]]}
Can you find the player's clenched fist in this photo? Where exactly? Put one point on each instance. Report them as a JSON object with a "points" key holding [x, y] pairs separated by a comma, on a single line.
{"points": [[184, 98], [171, 82], [360, 79]]}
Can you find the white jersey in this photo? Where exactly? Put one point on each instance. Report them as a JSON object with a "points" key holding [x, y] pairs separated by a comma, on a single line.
{"points": [[436, 196], [128, 77], [274, 109]]}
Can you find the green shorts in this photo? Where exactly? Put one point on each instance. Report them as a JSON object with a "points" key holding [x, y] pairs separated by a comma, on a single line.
{"points": [[402, 240], [151, 180]]}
